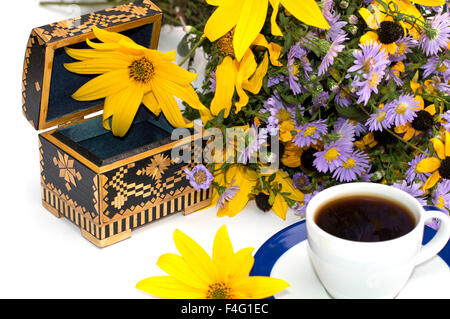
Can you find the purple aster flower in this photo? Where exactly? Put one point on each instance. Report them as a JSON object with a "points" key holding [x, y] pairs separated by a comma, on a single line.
{"points": [[412, 174], [402, 110], [212, 79], [278, 113], [436, 34], [414, 189], [366, 176], [300, 208], [257, 137], [336, 26], [344, 129], [310, 133], [332, 53], [321, 100], [275, 80], [300, 180], [200, 177], [227, 195], [370, 64], [342, 98], [441, 199], [352, 167], [378, 121], [404, 46], [296, 52], [331, 156], [435, 66]]}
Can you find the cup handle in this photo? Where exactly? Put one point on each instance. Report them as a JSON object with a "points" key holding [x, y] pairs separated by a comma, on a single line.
{"points": [[440, 239]]}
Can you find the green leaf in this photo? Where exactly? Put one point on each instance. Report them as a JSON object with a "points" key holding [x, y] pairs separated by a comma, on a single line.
{"points": [[352, 112]]}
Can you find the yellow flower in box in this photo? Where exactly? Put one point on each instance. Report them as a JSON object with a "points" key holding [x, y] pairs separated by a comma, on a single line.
{"points": [[130, 75], [248, 17], [195, 275]]}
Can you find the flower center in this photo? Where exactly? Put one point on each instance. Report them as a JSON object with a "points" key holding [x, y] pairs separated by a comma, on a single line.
{"points": [[225, 44], [262, 202], [283, 115], [373, 80], [219, 290], [349, 164], [141, 70], [301, 181], [440, 202], [380, 117], [310, 131], [423, 121], [389, 32], [367, 64], [441, 68], [444, 169], [294, 69], [200, 177], [332, 154], [401, 108]]}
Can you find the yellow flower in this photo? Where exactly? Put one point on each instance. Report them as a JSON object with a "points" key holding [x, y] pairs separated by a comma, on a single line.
{"points": [[234, 75], [130, 75], [289, 191], [248, 17], [422, 122], [246, 179], [440, 165], [195, 275], [292, 155], [389, 30]]}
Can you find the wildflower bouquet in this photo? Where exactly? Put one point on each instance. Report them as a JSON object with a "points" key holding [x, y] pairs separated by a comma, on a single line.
{"points": [[346, 90]]}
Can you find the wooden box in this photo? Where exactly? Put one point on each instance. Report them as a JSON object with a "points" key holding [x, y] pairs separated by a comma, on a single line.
{"points": [[105, 185]]}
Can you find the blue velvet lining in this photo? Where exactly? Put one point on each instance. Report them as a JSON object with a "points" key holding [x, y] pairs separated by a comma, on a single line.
{"points": [[92, 137], [64, 83]]}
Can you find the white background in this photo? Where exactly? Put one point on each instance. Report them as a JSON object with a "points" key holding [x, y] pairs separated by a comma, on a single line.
{"points": [[42, 256]]}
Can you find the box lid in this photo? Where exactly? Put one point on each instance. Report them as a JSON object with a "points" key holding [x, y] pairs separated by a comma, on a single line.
{"points": [[47, 86]]}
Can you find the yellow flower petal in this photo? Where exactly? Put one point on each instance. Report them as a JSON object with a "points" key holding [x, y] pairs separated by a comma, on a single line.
{"points": [[368, 36], [439, 147], [96, 66], [247, 68], [84, 54], [222, 247], [306, 11], [107, 36], [178, 268], [195, 256], [254, 84], [250, 23], [287, 186], [274, 49], [432, 180], [168, 287], [428, 165], [226, 74], [447, 144], [151, 103], [241, 263], [431, 3], [172, 72], [103, 85], [223, 19], [431, 109], [126, 105], [280, 206], [170, 107], [258, 287], [275, 29]]}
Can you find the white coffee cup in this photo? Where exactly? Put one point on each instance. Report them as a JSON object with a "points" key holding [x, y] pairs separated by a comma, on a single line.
{"points": [[352, 269]]}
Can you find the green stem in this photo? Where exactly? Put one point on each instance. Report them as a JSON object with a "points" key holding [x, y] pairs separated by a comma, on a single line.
{"points": [[199, 42]]}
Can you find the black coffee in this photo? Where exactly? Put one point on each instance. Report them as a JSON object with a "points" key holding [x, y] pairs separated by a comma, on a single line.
{"points": [[365, 218]]}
